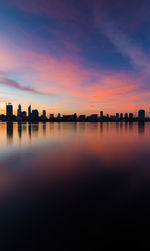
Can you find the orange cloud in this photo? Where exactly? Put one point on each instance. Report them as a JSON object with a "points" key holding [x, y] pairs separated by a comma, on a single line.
{"points": [[78, 88]]}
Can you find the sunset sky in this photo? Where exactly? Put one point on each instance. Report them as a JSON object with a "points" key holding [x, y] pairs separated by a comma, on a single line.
{"points": [[75, 56]]}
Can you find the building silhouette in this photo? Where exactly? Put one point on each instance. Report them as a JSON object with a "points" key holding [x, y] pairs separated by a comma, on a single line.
{"points": [[141, 115], [93, 117], [126, 116], [29, 111], [19, 111], [130, 116], [24, 114], [121, 116], [51, 117], [82, 118], [35, 114], [117, 116], [101, 115], [9, 111], [44, 113], [58, 117], [43, 117]]}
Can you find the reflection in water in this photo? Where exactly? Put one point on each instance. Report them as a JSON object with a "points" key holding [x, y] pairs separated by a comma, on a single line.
{"points": [[82, 127], [24, 127], [101, 127], [131, 126], [75, 127], [70, 127], [71, 180], [121, 126], [44, 128], [29, 130], [117, 127], [126, 126], [141, 128], [51, 126], [36, 128], [20, 129], [10, 132]]}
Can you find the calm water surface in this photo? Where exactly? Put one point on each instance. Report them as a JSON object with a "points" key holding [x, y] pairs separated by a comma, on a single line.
{"points": [[73, 181]]}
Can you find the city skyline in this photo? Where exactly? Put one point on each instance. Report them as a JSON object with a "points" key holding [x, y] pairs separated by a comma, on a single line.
{"points": [[85, 58], [53, 110], [34, 115]]}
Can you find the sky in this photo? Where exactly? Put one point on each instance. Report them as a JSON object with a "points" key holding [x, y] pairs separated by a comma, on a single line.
{"points": [[75, 56]]}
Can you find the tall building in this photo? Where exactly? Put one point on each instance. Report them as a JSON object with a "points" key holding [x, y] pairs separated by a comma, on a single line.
{"points": [[107, 116], [29, 111], [24, 114], [51, 116], [121, 116], [130, 116], [126, 116], [44, 114], [75, 116], [141, 115], [58, 116], [101, 114], [35, 114], [9, 110], [19, 111], [117, 115]]}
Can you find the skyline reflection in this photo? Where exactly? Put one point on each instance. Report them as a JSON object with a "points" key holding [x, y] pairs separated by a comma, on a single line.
{"points": [[33, 129]]}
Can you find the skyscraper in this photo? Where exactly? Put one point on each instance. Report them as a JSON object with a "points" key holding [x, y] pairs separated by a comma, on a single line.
{"points": [[75, 116], [107, 116], [51, 116], [117, 116], [126, 116], [35, 114], [44, 114], [141, 115], [58, 116], [9, 110], [121, 116], [24, 114], [29, 111], [101, 114], [19, 111], [130, 116]]}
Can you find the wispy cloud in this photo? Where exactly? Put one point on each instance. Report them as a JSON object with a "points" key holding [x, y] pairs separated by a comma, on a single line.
{"points": [[71, 81], [14, 84], [125, 45]]}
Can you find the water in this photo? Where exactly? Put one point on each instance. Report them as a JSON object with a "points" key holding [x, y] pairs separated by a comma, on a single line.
{"points": [[62, 182]]}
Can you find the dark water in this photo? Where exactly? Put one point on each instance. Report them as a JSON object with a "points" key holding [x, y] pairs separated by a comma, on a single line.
{"points": [[61, 183]]}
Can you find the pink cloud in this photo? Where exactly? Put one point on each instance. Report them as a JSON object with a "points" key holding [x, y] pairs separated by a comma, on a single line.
{"points": [[12, 83], [80, 88]]}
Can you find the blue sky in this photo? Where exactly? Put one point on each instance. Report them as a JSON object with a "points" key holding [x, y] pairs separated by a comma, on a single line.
{"points": [[75, 56]]}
